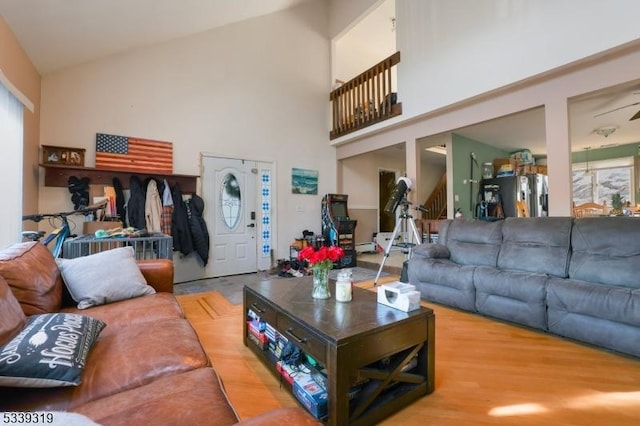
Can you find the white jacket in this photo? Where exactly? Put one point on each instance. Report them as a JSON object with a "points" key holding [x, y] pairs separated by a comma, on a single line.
{"points": [[153, 208]]}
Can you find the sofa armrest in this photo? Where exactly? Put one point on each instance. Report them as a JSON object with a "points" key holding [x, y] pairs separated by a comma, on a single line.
{"points": [[158, 273], [432, 251], [282, 416]]}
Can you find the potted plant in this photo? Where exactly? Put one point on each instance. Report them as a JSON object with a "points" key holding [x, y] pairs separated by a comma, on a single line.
{"points": [[616, 204]]}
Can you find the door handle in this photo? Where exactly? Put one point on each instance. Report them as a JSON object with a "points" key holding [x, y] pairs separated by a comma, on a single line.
{"points": [[251, 225]]}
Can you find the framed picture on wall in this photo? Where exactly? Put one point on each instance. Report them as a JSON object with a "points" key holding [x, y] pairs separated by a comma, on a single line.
{"points": [[304, 181], [63, 156]]}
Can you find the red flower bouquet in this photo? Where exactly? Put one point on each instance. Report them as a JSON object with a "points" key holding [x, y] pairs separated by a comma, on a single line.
{"points": [[321, 258], [321, 261]]}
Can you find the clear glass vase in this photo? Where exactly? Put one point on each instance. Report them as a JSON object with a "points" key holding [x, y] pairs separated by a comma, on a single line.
{"points": [[320, 283]]}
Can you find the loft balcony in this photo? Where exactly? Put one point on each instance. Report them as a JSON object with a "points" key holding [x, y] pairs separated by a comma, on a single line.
{"points": [[365, 100]]}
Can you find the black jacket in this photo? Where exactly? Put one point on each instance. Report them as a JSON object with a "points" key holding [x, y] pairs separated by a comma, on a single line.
{"points": [[199, 232], [135, 205], [120, 201], [180, 228]]}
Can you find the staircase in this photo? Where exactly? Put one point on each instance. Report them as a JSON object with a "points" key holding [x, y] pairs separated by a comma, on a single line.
{"points": [[436, 204]]}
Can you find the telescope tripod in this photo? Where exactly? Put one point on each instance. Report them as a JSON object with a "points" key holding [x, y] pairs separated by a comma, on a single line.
{"points": [[404, 219]]}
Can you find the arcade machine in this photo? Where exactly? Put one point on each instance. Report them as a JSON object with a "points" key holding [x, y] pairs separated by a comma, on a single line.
{"points": [[338, 229]]}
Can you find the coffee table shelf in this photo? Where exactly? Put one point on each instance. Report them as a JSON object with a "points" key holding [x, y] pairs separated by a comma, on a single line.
{"points": [[385, 354]]}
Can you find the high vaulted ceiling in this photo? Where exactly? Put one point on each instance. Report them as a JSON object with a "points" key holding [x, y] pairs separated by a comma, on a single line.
{"points": [[60, 33]]}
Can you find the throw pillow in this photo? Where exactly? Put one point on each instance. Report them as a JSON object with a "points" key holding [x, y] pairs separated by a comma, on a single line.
{"points": [[50, 351], [104, 277]]}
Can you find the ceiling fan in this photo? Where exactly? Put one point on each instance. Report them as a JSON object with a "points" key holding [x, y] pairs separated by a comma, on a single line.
{"points": [[635, 116]]}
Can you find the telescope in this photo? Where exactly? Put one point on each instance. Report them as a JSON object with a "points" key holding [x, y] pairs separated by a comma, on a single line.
{"points": [[398, 196], [403, 185]]}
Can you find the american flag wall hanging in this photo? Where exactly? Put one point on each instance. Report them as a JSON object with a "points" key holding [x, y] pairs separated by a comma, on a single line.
{"points": [[133, 154]]}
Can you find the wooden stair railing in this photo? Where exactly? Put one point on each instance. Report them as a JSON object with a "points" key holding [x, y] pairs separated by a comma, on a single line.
{"points": [[365, 100], [436, 204]]}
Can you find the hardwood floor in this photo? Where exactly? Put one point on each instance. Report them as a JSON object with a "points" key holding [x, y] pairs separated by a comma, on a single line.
{"points": [[487, 372]]}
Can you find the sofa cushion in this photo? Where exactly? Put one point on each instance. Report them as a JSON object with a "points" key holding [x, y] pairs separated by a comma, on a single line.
{"points": [[514, 296], [432, 251], [33, 276], [134, 357], [138, 355], [147, 309], [104, 277], [165, 401], [51, 350], [536, 244], [607, 316], [443, 281], [474, 242], [13, 319], [606, 250]]}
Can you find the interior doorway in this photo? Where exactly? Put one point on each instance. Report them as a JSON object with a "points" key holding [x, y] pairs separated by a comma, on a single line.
{"points": [[386, 183]]}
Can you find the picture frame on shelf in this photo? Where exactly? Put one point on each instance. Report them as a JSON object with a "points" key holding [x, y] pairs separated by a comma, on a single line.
{"points": [[63, 156]]}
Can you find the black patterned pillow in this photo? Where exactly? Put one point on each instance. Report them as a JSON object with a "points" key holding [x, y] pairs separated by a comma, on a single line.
{"points": [[50, 351]]}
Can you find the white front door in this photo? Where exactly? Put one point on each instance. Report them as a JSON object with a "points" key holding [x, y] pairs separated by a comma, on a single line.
{"points": [[229, 187]]}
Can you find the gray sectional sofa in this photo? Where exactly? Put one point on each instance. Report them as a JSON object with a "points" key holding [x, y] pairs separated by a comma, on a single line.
{"points": [[577, 278]]}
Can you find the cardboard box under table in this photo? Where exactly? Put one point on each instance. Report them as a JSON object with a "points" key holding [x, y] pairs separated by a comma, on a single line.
{"points": [[311, 395]]}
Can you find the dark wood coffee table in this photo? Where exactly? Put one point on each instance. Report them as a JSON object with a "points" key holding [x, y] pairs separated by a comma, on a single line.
{"points": [[390, 351]]}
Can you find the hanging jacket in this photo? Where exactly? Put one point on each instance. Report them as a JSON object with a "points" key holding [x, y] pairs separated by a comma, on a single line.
{"points": [[199, 232], [120, 201], [153, 207], [167, 209], [180, 230], [135, 206]]}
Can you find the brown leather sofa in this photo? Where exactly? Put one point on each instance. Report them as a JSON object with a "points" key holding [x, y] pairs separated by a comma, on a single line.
{"points": [[147, 365]]}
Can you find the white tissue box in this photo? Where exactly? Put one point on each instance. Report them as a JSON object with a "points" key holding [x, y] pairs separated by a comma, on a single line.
{"points": [[399, 295]]}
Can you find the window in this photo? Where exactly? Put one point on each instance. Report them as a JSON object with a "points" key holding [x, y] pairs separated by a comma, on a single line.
{"points": [[230, 204], [603, 179], [11, 138]]}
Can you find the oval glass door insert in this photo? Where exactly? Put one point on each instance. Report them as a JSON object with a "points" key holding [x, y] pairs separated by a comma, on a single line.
{"points": [[230, 206]]}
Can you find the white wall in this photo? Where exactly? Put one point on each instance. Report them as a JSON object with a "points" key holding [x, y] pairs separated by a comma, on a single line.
{"points": [[360, 176], [257, 90], [344, 14], [370, 41], [454, 50], [467, 61], [359, 179]]}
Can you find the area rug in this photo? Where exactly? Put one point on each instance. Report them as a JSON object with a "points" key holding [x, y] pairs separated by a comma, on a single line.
{"points": [[358, 274], [231, 286]]}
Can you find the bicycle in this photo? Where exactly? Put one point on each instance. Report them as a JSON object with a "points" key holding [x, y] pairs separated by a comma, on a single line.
{"points": [[59, 233]]}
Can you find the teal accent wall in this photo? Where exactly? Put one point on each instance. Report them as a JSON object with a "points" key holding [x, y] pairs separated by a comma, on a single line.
{"points": [[462, 148], [629, 150]]}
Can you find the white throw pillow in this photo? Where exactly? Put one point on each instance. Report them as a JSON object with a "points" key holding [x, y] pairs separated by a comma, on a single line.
{"points": [[104, 277]]}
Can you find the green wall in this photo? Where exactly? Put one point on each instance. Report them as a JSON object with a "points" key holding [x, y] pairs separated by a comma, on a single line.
{"points": [[629, 150], [461, 153]]}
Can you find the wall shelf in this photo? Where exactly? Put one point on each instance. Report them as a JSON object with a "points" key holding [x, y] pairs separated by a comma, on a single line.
{"points": [[58, 175]]}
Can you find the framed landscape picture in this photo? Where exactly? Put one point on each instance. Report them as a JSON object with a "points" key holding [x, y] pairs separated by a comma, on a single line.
{"points": [[304, 181]]}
